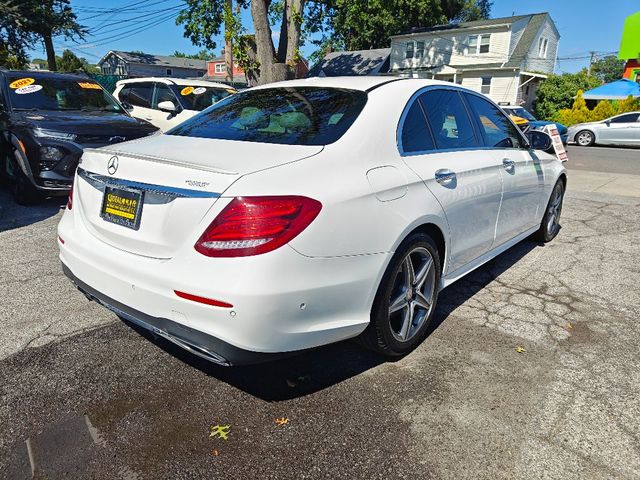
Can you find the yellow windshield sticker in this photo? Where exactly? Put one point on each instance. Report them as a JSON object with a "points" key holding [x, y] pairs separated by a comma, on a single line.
{"points": [[22, 82], [186, 91], [90, 85], [231, 91]]}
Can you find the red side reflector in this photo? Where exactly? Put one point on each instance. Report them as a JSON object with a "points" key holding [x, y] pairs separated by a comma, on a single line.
{"points": [[70, 200], [206, 301], [61, 239]]}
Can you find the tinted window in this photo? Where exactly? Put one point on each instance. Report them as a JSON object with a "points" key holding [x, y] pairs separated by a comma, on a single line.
{"points": [[198, 98], [163, 94], [449, 119], [628, 118], [496, 129], [138, 94], [58, 93], [415, 135], [293, 116]]}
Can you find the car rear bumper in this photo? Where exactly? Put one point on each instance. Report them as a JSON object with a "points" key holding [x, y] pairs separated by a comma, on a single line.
{"points": [[282, 301]]}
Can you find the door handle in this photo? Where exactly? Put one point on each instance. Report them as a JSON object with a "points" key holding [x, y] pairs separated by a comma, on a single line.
{"points": [[508, 164], [444, 176]]}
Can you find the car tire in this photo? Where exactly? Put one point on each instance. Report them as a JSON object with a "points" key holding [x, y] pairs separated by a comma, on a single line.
{"points": [[24, 193], [406, 299], [585, 138], [550, 225]]}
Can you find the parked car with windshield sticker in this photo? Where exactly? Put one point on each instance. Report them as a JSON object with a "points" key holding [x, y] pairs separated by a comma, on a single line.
{"points": [[167, 102], [46, 119]]}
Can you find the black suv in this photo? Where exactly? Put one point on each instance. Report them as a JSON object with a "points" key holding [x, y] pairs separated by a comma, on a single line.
{"points": [[46, 119]]}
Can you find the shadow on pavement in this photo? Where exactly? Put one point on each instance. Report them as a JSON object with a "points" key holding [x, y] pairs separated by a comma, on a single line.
{"points": [[323, 367], [13, 215]]}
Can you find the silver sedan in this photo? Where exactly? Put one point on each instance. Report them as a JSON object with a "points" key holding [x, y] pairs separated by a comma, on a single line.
{"points": [[622, 129]]}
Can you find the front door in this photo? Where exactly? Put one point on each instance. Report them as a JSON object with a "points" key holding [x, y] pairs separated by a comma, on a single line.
{"points": [[619, 130], [440, 144], [521, 173]]}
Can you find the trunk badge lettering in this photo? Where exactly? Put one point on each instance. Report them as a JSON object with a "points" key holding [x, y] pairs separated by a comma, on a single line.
{"points": [[196, 183]]}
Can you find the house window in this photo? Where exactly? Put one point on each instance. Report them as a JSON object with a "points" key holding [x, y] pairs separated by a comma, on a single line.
{"points": [[479, 44], [486, 85], [409, 52], [169, 72], [220, 68], [419, 49], [543, 43]]}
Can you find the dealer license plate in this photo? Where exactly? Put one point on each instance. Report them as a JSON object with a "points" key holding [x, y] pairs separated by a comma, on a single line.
{"points": [[122, 206]]}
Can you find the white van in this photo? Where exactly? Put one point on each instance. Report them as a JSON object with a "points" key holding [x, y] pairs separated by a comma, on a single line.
{"points": [[166, 102]]}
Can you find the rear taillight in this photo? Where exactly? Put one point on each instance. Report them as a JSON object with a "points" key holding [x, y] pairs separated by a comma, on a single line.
{"points": [[70, 200], [255, 225]]}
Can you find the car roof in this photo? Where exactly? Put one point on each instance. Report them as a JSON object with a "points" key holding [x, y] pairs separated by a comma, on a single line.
{"points": [[175, 81], [45, 74], [364, 83]]}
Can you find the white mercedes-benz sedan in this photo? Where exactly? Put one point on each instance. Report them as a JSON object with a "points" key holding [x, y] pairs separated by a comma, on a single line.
{"points": [[302, 213]]}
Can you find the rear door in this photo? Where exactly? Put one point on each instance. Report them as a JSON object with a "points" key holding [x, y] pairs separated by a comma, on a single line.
{"points": [[139, 95], [439, 142], [522, 178]]}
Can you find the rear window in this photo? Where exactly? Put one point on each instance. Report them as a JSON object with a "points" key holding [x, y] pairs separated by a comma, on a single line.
{"points": [[291, 116]]}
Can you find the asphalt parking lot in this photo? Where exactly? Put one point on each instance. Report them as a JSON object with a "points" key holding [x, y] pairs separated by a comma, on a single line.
{"points": [[532, 371]]}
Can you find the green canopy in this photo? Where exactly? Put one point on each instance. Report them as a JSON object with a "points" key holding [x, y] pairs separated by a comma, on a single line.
{"points": [[630, 45]]}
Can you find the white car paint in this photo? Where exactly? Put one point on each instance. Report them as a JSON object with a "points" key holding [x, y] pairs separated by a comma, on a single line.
{"points": [[165, 120], [320, 287]]}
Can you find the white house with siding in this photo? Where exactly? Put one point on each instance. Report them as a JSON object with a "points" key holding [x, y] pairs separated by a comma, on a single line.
{"points": [[504, 58]]}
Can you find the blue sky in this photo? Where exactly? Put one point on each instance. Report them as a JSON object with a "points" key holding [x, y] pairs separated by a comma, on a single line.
{"points": [[584, 26]]}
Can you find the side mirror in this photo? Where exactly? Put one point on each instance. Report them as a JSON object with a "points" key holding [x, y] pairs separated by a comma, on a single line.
{"points": [[539, 140], [607, 123], [167, 106], [127, 106]]}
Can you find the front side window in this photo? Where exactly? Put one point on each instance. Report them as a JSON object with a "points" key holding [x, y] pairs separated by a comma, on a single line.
{"points": [[409, 52], [627, 118], [486, 85], [58, 93], [163, 94], [496, 129], [198, 98], [449, 120], [289, 116], [415, 135]]}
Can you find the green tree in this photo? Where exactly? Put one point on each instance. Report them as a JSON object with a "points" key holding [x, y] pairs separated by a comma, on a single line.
{"points": [[557, 92], [629, 104], [15, 39], [50, 18], [201, 55], [69, 62], [604, 109], [608, 69]]}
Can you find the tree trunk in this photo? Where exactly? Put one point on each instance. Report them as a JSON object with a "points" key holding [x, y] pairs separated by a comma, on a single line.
{"points": [[51, 53], [228, 48]]}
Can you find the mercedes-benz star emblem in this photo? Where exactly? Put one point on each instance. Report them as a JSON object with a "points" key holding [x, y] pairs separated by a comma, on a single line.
{"points": [[112, 166]]}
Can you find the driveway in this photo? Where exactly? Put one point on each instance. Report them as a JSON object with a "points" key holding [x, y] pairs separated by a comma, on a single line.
{"points": [[532, 371]]}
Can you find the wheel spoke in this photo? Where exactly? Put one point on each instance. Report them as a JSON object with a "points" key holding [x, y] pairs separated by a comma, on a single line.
{"points": [[398, 304], [422, 301], [422, 274], [409, 274], [406, 323]]}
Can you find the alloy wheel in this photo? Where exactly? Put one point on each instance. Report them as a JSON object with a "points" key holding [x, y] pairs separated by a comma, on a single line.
{"points": [[554, 210], [412, 295], [585, 139]]}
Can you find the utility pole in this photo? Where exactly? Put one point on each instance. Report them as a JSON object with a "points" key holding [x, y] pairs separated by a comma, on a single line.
{"points": [[591, 61], [228, 47]]}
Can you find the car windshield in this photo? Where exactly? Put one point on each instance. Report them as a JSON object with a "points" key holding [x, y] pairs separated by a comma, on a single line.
{"points": [[198, 98], [522, 113], [292, 116], [59, 93]]}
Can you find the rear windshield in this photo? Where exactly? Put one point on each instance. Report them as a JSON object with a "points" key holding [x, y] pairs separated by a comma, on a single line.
{"points": [[198, 98], [291, 116], [59, 93]]}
